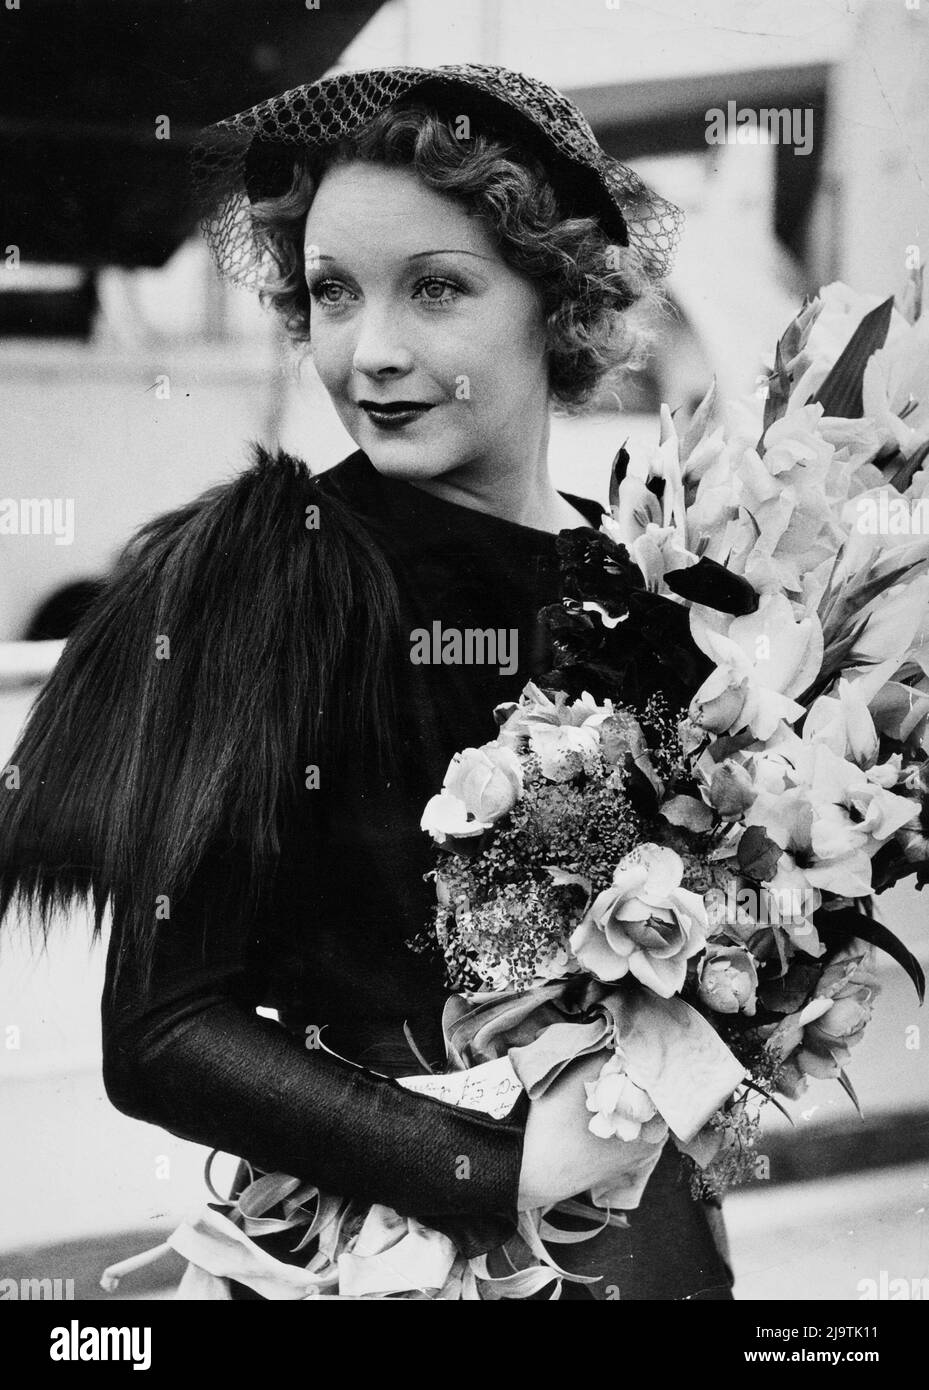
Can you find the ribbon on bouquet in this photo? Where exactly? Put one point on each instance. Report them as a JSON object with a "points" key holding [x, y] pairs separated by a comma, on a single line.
{"points": [[390, 1255], [667, 1048], [361, 1254]]}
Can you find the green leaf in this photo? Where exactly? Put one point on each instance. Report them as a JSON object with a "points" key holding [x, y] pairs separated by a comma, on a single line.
{"points": [[909, 468], [863, 593], [688, 813], [702, 418], [830, 595], [835, 652], [775, 402], [845, 922], [753, 1085], [758, 854], [890, 464], [849, 1090], [789, 363], [265, 1192], [798, 331], [855, 598], [788, 993], [617, 473], [840, 393]]}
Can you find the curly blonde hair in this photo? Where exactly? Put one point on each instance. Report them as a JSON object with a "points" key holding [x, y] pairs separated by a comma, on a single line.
{"points": [[595, 295]]}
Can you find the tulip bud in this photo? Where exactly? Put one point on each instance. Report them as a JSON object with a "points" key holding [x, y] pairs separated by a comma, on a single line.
{"points": [[847, 1018], [731, 790], [719, 702], [728, 980]]}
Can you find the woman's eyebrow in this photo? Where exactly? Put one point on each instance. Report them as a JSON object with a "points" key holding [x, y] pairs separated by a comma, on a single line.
{"points": [[417, 255], [449, 251]]}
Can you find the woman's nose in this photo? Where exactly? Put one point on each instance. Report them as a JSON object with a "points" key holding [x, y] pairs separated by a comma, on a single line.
{"points": [[379, 350]]}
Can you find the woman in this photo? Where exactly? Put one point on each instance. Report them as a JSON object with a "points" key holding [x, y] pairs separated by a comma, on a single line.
{"points": [[236, 746]]}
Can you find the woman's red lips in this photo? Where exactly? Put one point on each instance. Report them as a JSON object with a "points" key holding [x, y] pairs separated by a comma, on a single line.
{"points": [[395, 415]]}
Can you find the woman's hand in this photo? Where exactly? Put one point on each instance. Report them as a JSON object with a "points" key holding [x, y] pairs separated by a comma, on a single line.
{"points": [[561, 1157]]}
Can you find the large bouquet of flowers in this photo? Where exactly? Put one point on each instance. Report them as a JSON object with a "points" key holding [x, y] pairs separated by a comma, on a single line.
{"points": [[668, 854], [674, 841]]}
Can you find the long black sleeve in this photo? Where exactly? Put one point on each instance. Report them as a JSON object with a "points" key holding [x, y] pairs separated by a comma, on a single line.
{"points": [[193, 1057]]}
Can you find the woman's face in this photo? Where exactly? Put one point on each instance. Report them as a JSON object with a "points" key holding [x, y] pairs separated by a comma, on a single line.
{"points": [[412, 306]]}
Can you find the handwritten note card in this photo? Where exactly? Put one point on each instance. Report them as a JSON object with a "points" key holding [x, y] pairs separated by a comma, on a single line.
{"points": [[492, 1088]]}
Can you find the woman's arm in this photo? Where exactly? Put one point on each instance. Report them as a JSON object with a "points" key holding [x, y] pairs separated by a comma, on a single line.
{"points": [[193, 1057]]}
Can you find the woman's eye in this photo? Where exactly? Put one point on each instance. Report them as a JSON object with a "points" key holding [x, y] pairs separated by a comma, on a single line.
{"points": [[436, 291], [329, 293]]}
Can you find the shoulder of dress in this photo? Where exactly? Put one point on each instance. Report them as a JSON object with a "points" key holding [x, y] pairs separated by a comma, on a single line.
{"points": [[351, 481]]}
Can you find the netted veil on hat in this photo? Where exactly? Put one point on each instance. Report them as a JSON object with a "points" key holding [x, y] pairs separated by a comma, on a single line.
{"points": [[249, 156]]}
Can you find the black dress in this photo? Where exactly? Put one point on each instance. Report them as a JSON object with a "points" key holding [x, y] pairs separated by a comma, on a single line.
{"points": [[329, 951]]}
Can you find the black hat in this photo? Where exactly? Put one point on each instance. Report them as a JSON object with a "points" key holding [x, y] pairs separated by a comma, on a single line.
{"points": [[249, 156]]}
